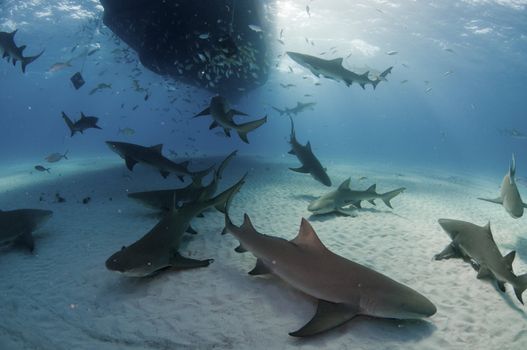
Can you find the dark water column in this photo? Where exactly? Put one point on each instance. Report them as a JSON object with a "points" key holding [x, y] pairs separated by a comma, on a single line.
{"points": [[208, 43]]}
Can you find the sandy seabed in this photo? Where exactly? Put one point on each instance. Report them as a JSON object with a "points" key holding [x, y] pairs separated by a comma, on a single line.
{"points": [[62, 296]]}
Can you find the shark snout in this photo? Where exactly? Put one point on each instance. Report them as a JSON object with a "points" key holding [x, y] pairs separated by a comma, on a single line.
{"points": [[451, 227]]}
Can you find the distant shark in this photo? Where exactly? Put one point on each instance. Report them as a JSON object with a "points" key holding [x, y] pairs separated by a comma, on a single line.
{"points": [[9, 50], [163, 199], [334, 70], [475, 244], [509, 194], [346, 201], [158, 249], [344, 289], [223, 116], [17, 226], [151, 156], [82, 124], [310, 163], [299, 108]]}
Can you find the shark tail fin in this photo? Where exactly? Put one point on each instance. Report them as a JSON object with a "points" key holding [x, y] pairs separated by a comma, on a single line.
{"points": [[386, 197], [245, 128], [69, 123], [375, 83], [520, 287], [226, 198], [28, 60]]}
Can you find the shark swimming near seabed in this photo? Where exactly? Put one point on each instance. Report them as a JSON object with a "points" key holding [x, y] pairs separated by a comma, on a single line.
{"points": [[158, 249], [13, 53], [153, 157], [346, 201], [162, 199], [80, 125], [310, 163], [299, 108], [223, 116], [344, 289], [334, 70], [476, 245], [509, 195], [17, 226]]}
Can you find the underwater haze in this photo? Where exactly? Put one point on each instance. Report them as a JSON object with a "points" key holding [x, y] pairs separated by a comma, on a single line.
{"points": [[422, 104]]}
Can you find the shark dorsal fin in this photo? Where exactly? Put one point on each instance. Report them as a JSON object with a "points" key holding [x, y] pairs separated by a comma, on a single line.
{"points": [[12, 34], [372, 188], [308, 145], [337, 61], [512, 170], [22, 48], [82, 115], [307, 237], [247, 224], [365, 74], [345, 185], [157, 148]]}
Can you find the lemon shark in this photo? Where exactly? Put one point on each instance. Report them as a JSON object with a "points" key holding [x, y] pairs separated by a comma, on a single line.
{"points": [[80, 125], [153, 157], [223, 116], [17, 226], [158, 249], [344, 289], [310, 163], [334, 70], [344, 200], [509, 195], [476, 245], [163, 199], [11, 52]]}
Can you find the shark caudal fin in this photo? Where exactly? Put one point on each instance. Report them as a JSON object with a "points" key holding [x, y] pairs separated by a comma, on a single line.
{"points": [[245, 128], [69, 123], [197, 177], [28, 60], [386, 197], [224, 199], [520, 286]]}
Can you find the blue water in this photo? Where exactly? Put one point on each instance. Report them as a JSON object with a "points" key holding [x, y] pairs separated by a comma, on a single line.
{"points": [[456, 124]]}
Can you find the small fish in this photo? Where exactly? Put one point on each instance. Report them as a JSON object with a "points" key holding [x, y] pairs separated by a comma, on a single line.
{"points": [[428, 90], [126, 131], [281, 41], [204, 36], [59, 198], [55, 157], [391, 53], [86, 200], [99, 87], [255, 28], [404, 81], [41, 168], [281, 33], [59, 66], [449, 50], [308, 10], [447, 73]]}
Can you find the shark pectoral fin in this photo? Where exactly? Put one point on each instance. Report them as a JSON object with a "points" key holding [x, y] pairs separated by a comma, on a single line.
{"points": [[329, 315], [450, 251], [26, 240], [206, 111], [301, 169], [181, 178], [130, 163], [292, 152], [259, 269], [227, 132], [200, 215], [349, 211], [213, 125], [164, 173], [240, 249], [484, 272], [191, 230], [220, 207], [356, 204], [180, 262], [243, 136], [496, 200], [372, 201]]}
